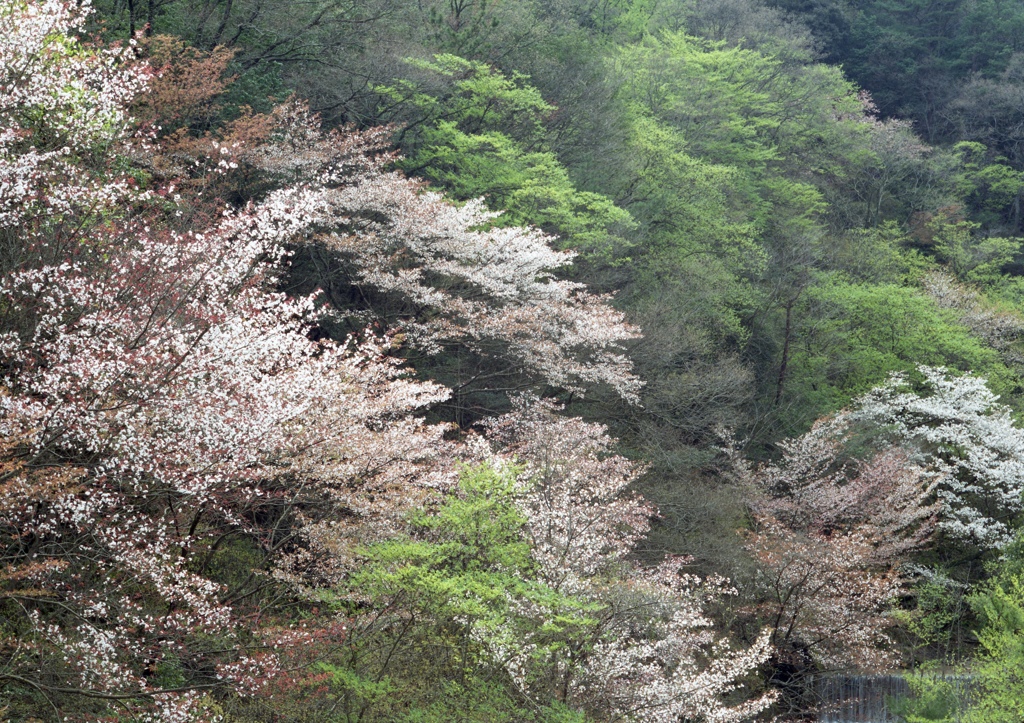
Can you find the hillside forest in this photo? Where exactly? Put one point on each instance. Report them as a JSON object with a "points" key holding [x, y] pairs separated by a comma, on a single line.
{"points": [[552, 361]]}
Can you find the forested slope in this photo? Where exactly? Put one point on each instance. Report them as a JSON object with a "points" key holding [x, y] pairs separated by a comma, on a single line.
{"points": [[556, 360]]}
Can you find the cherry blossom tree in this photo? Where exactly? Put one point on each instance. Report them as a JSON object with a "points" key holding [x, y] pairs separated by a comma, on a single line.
{"points": [[582, 518], [837, 518], [957, 426], [652, 654], [194, 408], [830, 533], [387, 250], [60, 101], [658, 659]]}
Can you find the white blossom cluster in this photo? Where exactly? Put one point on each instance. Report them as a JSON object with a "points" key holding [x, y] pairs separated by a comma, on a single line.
{"points": [[654, 657], [957, 426], [674, 669], [59, 100], [481, 283], [581, 517]]}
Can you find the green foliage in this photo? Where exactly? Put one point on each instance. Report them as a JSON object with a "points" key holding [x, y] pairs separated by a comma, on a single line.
{"points": [[935, 612], [853, 335], [477, 97], [911, 53], [685, 201], [937, 623], [485, 702], [699, 249], [999, 668], [927, 60], [259, 89], [468, 560], [734, 153], [444, 601], [471, 28], [361, 692], [483, 134], [473, 695], [743, 109], [990, 185], [933, 698], [878, 254], [990, 689], [621, 20], [972, 256]]}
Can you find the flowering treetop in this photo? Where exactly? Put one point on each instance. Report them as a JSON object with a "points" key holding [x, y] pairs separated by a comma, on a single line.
{"points": [[957, 425]]}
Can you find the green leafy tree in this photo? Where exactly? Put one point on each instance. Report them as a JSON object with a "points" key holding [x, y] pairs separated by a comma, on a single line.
{"points": [[933, 698], [476, 132], [990, 185], [431, 609], [972, 256], [853, 335], [999, 668]]}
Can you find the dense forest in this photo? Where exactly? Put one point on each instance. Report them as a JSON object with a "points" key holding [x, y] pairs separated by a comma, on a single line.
{"points": [[559, 361]]}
